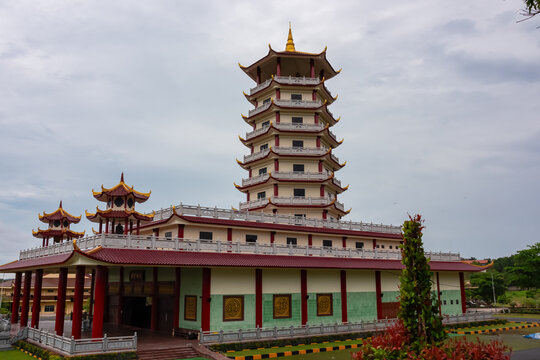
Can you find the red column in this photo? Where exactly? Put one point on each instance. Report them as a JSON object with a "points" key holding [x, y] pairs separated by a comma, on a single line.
{"points": [[16, 298], [276, 140], [439, 293], [126, 226], [276, 190], [130, 226], [247, 196], [78, 303], [320, 166], [106, 226], [258, 299], [462, 289], [120, 296], [61, 301], [316, 119], [304, 295], [156, 232], [310, 240], [344, 242], [378, 293], [92, 282], [314, 95], [43, 242], [272, 237], [278, 67], [181, 231], [229, 234], [278, 94], [277, 117], [155, 300], [26, 298], [258, 75], [100, 225], [322, 191], [138, 227], [36, 305], [276, 165], [343, 296], [311, 68], [205, 315], [374, 243], [250, 172], [99, 305], [318, 141], [176, 303], [324, 214]]}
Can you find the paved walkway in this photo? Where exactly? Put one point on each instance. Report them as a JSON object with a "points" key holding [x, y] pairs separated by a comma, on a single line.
{"points": [[530, 354]]}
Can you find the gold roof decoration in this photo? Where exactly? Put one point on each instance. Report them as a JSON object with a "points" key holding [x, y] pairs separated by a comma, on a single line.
{"points": [[290, 43]]}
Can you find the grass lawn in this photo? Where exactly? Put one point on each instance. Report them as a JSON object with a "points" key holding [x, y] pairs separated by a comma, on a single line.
{"points": [[494, 326], [512, 338], [14, 355], [294, 348]]}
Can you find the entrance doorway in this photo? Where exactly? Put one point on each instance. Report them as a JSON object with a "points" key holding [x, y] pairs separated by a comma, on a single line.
{"points": [[136, 311]]}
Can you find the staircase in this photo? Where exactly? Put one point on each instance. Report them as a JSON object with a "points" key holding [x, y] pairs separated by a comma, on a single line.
{"points": [[173, 353]]}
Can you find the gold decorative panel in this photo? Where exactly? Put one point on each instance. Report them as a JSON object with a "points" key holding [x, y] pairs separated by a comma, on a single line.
{"points": [[233, 308], [282, 306], [190, 307], [324, 305]]}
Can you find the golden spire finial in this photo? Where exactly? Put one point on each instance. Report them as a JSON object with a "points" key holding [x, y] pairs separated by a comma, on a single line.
{"points": [[290, 42]]}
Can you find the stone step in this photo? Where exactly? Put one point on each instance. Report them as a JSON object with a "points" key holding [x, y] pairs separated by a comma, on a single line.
{"points": [[184, 352]]}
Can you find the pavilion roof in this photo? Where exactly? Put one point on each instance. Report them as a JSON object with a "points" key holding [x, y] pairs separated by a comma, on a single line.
{"points": [[59, 214], [57, 232], [118, 214], [122, 189]]}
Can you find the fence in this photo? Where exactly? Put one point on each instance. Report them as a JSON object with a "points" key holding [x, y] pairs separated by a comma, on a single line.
{"points": [[80, 346], [209, 337]]}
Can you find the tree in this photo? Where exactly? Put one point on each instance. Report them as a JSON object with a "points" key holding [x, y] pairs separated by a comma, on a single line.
{"points": [[526, 267], [482, 286], [419, 307], [532, 8]]}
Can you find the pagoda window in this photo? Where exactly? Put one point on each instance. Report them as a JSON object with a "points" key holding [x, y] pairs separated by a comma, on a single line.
{"points": [[264, 147], [265, 124], [168, 234], [261, 195], [56, 223], [298, 143], [130, 202], [119, 229], [299, 193], [205, 235], [118, 201], [359, 245], [262, 171], [251, 238], [300, 216], [327, 243], [266, 101], [299, 168], [297, 120], [48, 308], [296, 97], [291, 241]]}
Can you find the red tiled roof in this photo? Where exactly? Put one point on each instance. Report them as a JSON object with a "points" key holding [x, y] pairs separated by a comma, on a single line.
{"points": [[182, 258], [37, 262]]}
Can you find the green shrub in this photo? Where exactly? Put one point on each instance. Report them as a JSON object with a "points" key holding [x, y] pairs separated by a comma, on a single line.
{"points": [[503, 299]]}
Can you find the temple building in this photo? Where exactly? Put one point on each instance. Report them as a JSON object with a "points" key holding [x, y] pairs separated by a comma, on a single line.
{"points": [[284, 259]]}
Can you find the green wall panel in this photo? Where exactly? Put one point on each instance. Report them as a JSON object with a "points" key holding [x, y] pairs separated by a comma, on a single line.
{"points": [[216, 314], [312, 310], [451, 296], [362, 306], [390, 296], [190, 284], [268, 312]]}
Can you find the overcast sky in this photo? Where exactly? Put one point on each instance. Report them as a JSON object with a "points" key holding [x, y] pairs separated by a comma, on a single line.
{"points": [[440, 108]]}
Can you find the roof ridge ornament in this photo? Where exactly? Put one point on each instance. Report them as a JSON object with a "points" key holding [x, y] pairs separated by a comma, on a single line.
{"points": [[290, 43]]}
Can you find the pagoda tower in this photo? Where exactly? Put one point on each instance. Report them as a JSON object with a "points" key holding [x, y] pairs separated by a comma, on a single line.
{"points": [[291, 165], [59, 222], [120, 215]]}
